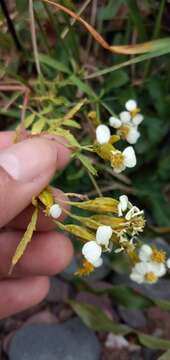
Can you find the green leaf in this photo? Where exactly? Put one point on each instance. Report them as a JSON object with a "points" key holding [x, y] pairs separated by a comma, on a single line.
{"points": [[71, 123], [87, 163], [29, 120], [96, 319], [110, 10], [38, 126], [115, 80], [165, 356], [53, 63], [153, 342], [81, 85], [68, 136], [136, 18]]}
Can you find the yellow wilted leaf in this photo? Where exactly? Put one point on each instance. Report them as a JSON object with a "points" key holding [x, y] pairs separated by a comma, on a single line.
{"points": [[46, 198], [114, 222], [74, 110], [38, 126], [77, 230], [99, 205], [25, 240]]}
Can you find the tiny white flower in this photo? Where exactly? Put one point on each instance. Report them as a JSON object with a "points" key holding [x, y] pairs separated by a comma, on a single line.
{"points": [[129, 157], [98, 262], [134, 211], [125, 117], [145, 253], [114, 122], [92, 251], [158, 268], [103, 235], [131, 105], [123, 204], [137, 119], [55, 211], [137, 277], [168, 263], [132, 135], [103, 134]]}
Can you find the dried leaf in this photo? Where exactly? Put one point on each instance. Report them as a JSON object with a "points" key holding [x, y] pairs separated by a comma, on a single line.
{"points": [[46, 198], [25, 240], [77, 230], [99, 205]]}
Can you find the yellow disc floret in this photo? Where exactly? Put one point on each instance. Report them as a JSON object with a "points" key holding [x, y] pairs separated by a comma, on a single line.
{"points": [[117, 159], [151, 277], [158, 256]]}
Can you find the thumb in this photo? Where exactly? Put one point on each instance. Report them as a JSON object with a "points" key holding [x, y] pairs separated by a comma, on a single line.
{"points": [[25, 169]]}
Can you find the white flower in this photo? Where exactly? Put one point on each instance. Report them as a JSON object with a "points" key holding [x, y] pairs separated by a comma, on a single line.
{"points": [[55, 211], [132, 135], [131, 105], [103, 134], [143, 273], [137, 119], [145, 253], [134, 211], [98, 262], [125, 117], [115, 122], [92, 251], [103, 235], [168, 263], [129, 157], [121, 160], [123, 204]]}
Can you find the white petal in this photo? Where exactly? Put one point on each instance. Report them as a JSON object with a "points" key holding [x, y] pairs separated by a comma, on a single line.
{"points": [[145, 253], [129, 157], [125, 117], [131, 105], [158, 269], [134, 211], [103, 134], [91, 251], [123, 202], [98, 262], [139, 278], [55, 211], [133, 135], [114, 122], [137, 119], [168, 263], [141, 268], [103, 235]]}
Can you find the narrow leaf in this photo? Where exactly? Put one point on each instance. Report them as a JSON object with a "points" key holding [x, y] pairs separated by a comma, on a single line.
{"points": [[25, 240], [87, 163], [38, 126]]}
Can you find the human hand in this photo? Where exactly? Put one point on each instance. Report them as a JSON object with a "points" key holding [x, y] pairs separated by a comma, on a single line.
{"points": [[25, 170]]}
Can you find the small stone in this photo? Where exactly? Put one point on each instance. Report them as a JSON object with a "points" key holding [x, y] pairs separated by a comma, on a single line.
{"points": [[132, 317], [71, 340], [59, 290]]}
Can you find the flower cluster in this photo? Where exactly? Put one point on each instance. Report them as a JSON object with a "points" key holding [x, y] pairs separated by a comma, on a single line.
{"points": [[126, 126], [92, 250], [151, 265], [127, 123]]}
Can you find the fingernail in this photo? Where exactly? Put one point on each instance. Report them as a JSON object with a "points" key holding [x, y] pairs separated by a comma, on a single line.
{"points": [[29, 159]]}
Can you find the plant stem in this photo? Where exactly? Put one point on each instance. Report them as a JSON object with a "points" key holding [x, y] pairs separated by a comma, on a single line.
{"points": [[33, 35]]}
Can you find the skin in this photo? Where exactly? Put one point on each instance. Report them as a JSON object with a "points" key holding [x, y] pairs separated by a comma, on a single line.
{"points": [[49, 251]]}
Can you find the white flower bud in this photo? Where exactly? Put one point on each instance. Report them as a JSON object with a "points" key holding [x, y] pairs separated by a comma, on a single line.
{"points": [[103, 235], [114, 122], [145, 252], [133, 135], [91, 251], [55, 211], [131, 105], [129, 157], [123, 204], [125, 117], [137, 119], [103, 134]]}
